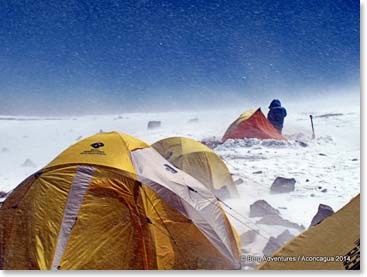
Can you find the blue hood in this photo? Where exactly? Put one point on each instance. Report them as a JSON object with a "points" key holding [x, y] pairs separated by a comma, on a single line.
{"points": [[275, 104]]}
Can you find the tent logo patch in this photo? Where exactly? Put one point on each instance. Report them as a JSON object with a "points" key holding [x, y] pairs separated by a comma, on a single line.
{"points": [[97, 145], [94, 150]]}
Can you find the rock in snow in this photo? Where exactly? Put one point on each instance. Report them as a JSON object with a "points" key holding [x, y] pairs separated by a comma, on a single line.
{"points": [[211, 142], [257, 172], [28, 163], [283, 185], [275, 219], [2, 194], [154, 124], [323, 212], [327, 115], [238, 181], [272, 246], [193, 120], [248, 237], [275, 243], [262, 208], [301, 143]]}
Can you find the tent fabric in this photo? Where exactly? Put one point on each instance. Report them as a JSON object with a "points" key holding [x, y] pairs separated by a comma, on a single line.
{"points": [[112, 202], [252, 124], [200, 162], [335, 237]]}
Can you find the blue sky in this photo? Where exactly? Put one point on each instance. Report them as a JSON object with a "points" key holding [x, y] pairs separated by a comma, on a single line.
{"points": [[71, 56]]}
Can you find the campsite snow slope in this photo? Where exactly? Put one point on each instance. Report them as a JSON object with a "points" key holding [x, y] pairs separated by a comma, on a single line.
{"points": [[331, 161]]}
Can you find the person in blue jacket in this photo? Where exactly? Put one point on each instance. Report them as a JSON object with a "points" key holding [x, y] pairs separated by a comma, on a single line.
{"points": [[277, 114]]}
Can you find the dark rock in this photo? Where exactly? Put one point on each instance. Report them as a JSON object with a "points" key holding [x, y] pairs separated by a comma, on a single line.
{"points": [[324, 190], [307, 180], [248, 237], [274, 219], [275, 243], [323, 212], [211, 142], [322, 154], [28, 163], [154, 124], [2, 194], [327, 115], [257, 172], [223, 193], [193, 120], [354, 160], [301, 143], [262, 208], [312, 195], [285, 236], [238, 181], [319, 187], [283, 185], [272, 246]]}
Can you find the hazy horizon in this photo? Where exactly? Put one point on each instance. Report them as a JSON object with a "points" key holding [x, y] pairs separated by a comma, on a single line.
{"points": [[337, 99]]}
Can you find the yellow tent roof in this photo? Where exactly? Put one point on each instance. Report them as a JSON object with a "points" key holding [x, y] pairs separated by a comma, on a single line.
{"points": [[199, 161], [105, 149], [112, 202], [245, 115]]}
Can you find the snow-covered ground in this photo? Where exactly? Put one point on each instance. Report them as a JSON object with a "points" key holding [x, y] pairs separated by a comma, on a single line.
{"points": [[331, 161]]}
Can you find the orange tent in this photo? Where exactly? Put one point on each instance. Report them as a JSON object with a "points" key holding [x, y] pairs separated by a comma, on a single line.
{"points": [[252, 124]]}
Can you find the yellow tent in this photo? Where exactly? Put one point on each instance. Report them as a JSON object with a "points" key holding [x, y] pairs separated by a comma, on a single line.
{"points": [[332, 244], [200, 162], [112, 202]]}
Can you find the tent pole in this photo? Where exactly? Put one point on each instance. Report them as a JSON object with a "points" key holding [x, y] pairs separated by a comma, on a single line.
{"points": [[313, 130]]}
